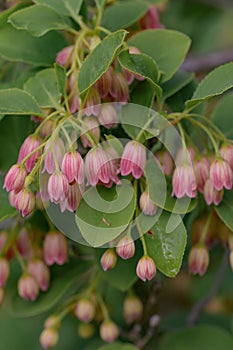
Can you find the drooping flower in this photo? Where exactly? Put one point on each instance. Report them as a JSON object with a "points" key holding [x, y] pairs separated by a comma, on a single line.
{"points": [[184, 182], [221, 175], [31, 143], [28, 288], [49, 338], [151, 19], [104, 84], [108, 116], [133, 159], [15, 178], [202, 171], [99, 167], [211, 195], [25, 202], [57, 187], [73, 167], [64, 56], [133, 309], [55, 249], [166, 162], [119, 89], [198, 260], [226, 152], [93, 102], [40, 272]]}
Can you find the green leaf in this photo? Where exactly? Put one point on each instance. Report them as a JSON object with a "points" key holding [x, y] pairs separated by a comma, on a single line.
{"points": [[115, 277], [98, 61], [198, 337], [176, 83], [222, 115], [160, 191], [64, 7], [147, 98], [38, 20], [118, 346], [17, 45], [225, 209], [44, 87], [6, 210], [143, 65], [168, 48], [215, 83], [136, 119], [100, 4], [13, 128], [16, 101], [61, 78], [105, 213], [167, 247], [123, 14], [73, 6], [177, 101], [63, 277]]}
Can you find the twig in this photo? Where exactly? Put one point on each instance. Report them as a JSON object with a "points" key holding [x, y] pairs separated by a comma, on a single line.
{"points": [[198, 307], [207, 62]]}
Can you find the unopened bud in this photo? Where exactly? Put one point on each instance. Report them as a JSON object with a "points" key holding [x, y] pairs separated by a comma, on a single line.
{"points": [[52, 321], [86, 330], [108, 260], [109, 331], [4, 271], [146, 269], [133, 309], [49, 338], [125, 248], [85, 310]]}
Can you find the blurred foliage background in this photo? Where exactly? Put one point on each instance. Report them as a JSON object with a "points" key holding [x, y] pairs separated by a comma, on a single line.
{"points": [[209, 23]]}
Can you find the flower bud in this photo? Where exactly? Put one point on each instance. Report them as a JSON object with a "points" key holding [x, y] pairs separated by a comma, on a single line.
{"points": [[64, 56], [198, 260], [108, 116], [151, 19], [52, 321], [125, 248], [15, 178], [57, 187], [40, 272], [146, 269], [49, 338], [133, 309], [202, 171], [221, 175], [73, 167], [104, 84], [91, 127], [85, 310], [100, 168], [28, 289], [25, 202], [108, 260], [133, 159], [53, 149], [4, 271], [109, 331], [55, 249], [184, 182], [24, 245], [86, 330], [146, 205], [119, 88], [166, 162], [93, 102], [29, 145], [226, 152]]}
